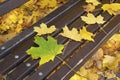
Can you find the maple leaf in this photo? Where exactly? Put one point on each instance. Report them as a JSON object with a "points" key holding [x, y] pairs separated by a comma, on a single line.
{"points": [[89, 7], [72, 34], [112, 9], [94, 2], [47, 49], [86, 35], [91, 19], [43, 29]]}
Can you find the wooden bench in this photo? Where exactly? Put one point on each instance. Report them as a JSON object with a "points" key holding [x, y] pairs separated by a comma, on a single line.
{"points": [[15, 64]]}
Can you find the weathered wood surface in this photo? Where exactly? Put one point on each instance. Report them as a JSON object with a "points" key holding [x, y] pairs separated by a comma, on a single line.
{"points": [[15, 64]]}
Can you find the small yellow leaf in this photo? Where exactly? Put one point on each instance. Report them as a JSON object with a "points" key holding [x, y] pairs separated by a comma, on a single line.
{"points": [[43, 29], [112, 9], [94, 2], [99, 19], [91, 19], [86, 35], [72, 34], [89, 7]]}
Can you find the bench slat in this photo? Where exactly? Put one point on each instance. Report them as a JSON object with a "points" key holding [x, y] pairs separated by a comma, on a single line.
{"points": [[15, 57], [10, 5]]}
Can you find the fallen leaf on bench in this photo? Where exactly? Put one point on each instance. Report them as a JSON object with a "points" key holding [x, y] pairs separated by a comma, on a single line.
{"points": [[89, 7], [43, 29], [94, 2], [46, 50], [91, 19], [72, 34], [86, 35], [112, 8]]}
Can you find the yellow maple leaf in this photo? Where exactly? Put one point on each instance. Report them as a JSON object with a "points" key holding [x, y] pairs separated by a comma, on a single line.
{"points": [[94, 2], [91, 19], [43, 29], [112, 9], [89, 7], [72, 34], [86, 35]]}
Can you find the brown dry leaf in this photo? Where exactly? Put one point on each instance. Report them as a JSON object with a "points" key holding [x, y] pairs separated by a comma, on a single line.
{"points": [[89, 7]]}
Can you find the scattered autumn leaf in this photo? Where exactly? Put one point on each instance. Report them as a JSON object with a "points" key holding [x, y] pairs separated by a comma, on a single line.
{"points": [[43, 29], [77, 77], [116, 37], [94, 2], [108, 60], [86, 35], [48, 3], [91, 19], [72, 34], [89, 7], [112, 8], [46, 50]]}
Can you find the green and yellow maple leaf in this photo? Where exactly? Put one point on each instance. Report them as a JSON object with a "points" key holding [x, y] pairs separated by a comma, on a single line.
{"points": [[72, 34], [94, 2], [112, 8], [86, 34], [43, 29], [91, 19], [46, 50]]}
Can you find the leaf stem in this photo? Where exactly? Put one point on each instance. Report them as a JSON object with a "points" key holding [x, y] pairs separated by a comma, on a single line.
{"points": [[111, 1], [97, 10], [71, 67]]}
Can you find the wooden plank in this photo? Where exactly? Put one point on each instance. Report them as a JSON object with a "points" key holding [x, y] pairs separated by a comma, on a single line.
{"points": [[10, 5], [23, 70], [15, 57]]}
